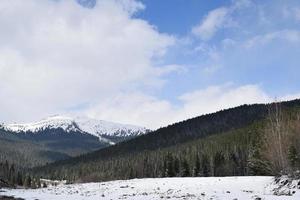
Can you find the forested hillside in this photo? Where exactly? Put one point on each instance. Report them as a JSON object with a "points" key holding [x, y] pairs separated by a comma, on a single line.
{"points": [[236, 141], [59, 137], [11, 175], [33, 149]]}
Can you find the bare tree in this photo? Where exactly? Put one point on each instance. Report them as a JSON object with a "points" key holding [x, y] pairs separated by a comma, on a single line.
{"points": [[276, 138]]}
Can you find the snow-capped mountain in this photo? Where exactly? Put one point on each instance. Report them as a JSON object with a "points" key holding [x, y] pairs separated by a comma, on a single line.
{"points": [[104, 130]]}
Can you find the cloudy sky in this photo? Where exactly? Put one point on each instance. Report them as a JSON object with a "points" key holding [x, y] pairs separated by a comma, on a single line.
{"points": [[145, 62]]}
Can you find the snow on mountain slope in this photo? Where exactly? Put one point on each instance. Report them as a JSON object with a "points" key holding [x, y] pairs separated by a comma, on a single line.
{"points": [[98, 128], [66, 123], [206, 188]]}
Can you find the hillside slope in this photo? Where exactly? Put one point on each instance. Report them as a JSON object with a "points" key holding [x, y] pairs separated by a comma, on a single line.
{"points": [[28, 150], [215, 144], [59, 137]]}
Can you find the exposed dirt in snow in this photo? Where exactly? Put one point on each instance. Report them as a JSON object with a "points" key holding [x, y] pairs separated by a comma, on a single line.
{"points": [[9, 198]]}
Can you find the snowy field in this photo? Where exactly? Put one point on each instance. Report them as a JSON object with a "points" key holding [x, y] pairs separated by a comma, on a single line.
{"points": [[213, 188]]}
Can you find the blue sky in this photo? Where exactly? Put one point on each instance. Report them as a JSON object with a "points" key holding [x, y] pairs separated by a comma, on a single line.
{"points": [[145, 62], [274, 66], [177, 16]]}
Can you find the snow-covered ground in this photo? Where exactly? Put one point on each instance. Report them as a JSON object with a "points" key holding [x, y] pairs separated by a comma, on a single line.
{"points": [[213, 188]]}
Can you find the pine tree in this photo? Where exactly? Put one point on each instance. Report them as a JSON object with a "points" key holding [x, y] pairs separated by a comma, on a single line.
{"points": [[170, 169], [6, 170], [176, 166], [27, 181], [164, 168], [196, 169], [257, 164], [11, 175], [19, 179], [205, 166], [293, 156], [131, 173], [185, 170], [219, 161]]}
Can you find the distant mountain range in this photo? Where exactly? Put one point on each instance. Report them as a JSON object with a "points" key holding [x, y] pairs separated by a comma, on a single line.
{"points": [[59, 137], [107, 132]]}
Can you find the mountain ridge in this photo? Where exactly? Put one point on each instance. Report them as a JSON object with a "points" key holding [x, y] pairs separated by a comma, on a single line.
{"points": [[60, 137], [104, 130], [223, 143]]}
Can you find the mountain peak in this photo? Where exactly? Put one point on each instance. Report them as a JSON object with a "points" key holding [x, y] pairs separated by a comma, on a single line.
{"points": [[98, 128]]}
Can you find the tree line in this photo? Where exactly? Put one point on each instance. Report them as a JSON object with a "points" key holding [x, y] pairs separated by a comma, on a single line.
{"points": [[228, 147], [248, 140], [12, 176]]}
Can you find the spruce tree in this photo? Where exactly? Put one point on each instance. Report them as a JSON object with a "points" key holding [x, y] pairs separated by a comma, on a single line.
{"points": [[196, 169], [293, 156], [170, 169], [176, 166], [11, 175], [27, 181], [185, 170], [205, 166], [19, 179]]}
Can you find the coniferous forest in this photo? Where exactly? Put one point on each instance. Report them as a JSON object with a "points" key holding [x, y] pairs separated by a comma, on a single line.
{"points": [[247, 140]]}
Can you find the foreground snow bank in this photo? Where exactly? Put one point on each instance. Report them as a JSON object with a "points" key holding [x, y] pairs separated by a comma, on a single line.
{"points": [[214, 188], [284, 186]]}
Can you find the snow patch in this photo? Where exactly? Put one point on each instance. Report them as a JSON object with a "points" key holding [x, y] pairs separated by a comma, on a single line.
{"points": [[213, 188], [99, 128]]}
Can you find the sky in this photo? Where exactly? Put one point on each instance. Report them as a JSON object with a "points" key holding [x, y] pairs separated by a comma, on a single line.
{"points": [[145, 62]]}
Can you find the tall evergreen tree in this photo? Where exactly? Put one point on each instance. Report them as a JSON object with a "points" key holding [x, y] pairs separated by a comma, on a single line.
{"points": [[196, 170], [185, 169], [205, 166], [19, 179], [176, 166], [293, 156]]}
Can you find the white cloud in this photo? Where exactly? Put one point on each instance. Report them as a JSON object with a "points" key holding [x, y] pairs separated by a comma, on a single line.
{"points": [[220, 97], [137, 108], [239, 4], [286, 35], [290, 97], [65, 55], [291, 13], [102, 62], [211, 23], [134, 108], [131, 6], [297, 14]]}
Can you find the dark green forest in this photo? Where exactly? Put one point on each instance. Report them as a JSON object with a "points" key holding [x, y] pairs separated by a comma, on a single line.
{"points": [[260, 139], [231, 142], [11, 176], [35, 149]]}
